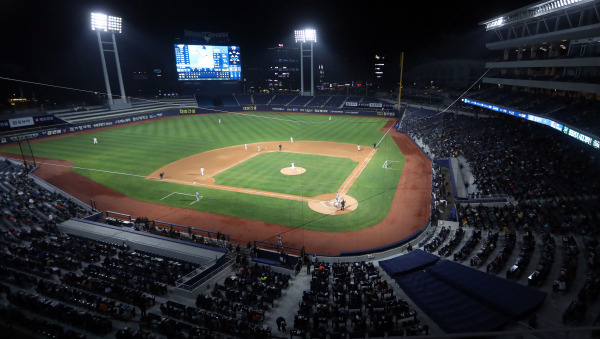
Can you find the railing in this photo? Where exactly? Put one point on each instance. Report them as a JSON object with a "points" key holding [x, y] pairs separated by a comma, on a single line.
{"points": [[192, 274], [121, 215], [488, 198], [195, 285]]}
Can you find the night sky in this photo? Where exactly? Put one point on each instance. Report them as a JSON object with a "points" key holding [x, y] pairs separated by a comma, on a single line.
{"points": [[51, 41]]}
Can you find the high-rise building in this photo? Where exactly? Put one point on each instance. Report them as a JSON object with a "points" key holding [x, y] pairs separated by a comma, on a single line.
{"points": [[379, 70], [283, 69]]}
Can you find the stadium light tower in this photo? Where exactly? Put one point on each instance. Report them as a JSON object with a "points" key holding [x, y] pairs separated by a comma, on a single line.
{"points": [[106, 23], [303, 36]]}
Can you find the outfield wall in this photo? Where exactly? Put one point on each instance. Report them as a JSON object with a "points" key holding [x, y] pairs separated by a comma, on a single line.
{"points": [[41, 132]]}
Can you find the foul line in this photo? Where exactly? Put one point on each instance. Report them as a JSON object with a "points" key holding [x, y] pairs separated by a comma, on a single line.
{"points": [[365, 162], [92, 169], [221, 187]]}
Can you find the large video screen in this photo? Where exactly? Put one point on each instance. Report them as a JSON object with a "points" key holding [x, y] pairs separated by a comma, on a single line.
{"points": [[206, 62]]}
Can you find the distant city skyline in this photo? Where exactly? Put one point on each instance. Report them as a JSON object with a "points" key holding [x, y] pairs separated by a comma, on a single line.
{"points": [[51, 42]]}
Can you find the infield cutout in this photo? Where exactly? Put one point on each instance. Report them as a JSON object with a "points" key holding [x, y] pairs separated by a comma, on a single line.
{"points": [[296, 171], [186, 170]]}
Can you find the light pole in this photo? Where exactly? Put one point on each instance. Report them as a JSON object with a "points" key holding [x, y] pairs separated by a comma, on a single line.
{"points": [[302, 36], [106, 23]]}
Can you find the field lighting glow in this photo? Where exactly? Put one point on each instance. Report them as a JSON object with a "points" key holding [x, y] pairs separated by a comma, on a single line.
{"points": [[305, 35], [103, 22]]}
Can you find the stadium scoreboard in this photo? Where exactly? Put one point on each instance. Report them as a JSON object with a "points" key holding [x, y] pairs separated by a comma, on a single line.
{"points": [[208, 62]]}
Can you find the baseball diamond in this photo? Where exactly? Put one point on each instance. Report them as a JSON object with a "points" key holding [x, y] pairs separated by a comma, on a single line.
{"points": [[244, 196]]}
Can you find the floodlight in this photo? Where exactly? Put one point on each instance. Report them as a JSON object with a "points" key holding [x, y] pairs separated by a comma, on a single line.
{"points": [[302, 36], [305, 35], [103, 22], [99, 22], [110, 24]]}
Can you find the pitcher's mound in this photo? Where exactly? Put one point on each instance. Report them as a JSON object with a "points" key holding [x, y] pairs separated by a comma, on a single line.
{"points": [[296, 171], [325, 203]]}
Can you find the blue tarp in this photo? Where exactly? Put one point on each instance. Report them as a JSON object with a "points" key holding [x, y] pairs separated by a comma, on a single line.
{"points": [[504, 296], [448, 307], [417, 259]]}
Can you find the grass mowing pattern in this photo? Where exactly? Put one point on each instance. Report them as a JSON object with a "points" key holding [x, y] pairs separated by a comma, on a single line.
{"points": [[324, 174], [142, 148]]}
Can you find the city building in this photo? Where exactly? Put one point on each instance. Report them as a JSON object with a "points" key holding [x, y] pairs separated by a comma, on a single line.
{"points": [[283, 71]]}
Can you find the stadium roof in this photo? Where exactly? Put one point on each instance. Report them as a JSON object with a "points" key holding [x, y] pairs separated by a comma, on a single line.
{"points": [[532, 11]]}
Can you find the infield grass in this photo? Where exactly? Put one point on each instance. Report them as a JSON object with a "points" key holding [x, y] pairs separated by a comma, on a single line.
{"points": [[127, 152], [325, 174]]}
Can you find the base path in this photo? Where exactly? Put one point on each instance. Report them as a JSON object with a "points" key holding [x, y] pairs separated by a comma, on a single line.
{"points": [[409, 211], [199, 169]]}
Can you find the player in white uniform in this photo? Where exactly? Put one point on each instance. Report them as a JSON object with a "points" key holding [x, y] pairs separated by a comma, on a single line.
{"points": [[202, 170], [292, 167]]}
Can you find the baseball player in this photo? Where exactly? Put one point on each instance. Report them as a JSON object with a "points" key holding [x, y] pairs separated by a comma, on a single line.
{"points": [[279, 240], [95, 140], [358, 147], [279, 147], [197, 196], [202, 170], [292, 167], [162, 175], [259, 148], [219, 120], [292, 139], [246, 147]]}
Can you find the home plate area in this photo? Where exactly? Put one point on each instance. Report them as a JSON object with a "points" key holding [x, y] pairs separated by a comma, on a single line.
{"points": [[326, 204]]}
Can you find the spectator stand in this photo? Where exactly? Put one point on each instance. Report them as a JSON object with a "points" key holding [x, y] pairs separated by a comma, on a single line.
{"points": [[56, 190], [243, 99], [22, 325], [351, 299]]}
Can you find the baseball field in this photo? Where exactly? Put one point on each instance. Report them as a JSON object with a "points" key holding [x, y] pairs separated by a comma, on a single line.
{"points": [[212, 168]]}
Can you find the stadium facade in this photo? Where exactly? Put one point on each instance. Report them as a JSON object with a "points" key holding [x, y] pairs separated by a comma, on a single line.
{"points": [[550, 47]]}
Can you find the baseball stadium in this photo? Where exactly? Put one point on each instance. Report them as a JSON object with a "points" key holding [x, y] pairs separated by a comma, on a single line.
{"points": [[466, 210]]}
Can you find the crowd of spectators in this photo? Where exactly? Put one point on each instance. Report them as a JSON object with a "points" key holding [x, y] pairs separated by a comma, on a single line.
{"points": [[352, 299], [82, 284], [26, 207], [579, 113], [509, 155]]}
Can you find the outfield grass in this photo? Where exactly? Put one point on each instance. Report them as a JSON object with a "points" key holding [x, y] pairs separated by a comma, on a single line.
{"points": [[143, 148]]}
